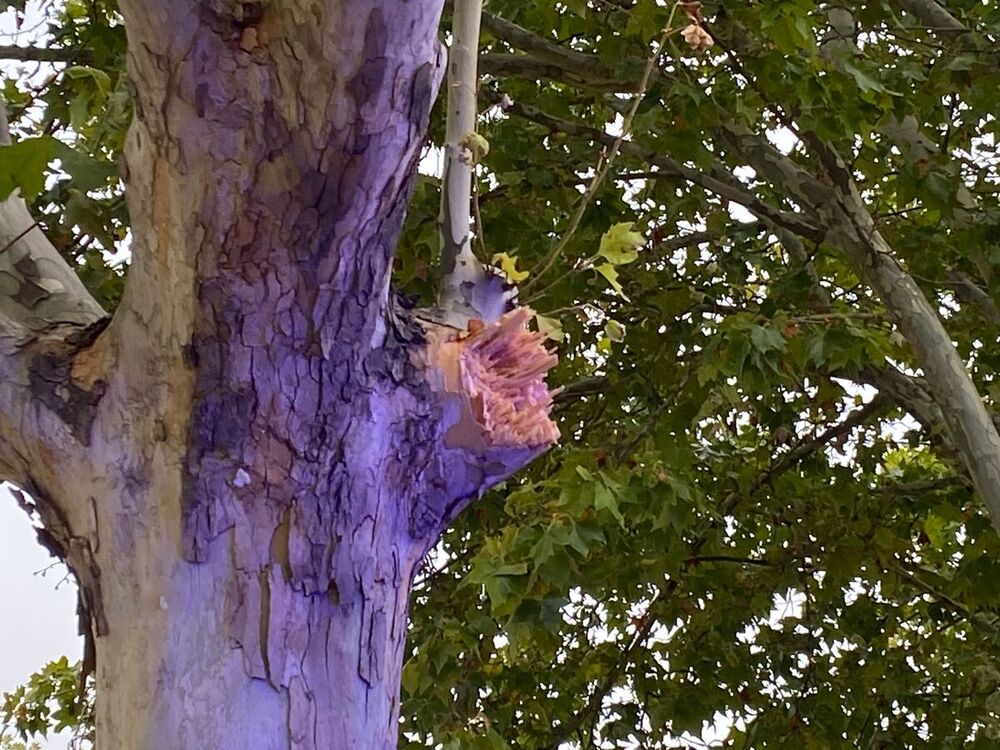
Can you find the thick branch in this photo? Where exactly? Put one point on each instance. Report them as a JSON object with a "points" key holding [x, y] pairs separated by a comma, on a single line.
{"points": [[44, 54], [853, 232], [934, 16], [38, 289], [44, 311], [503, 65]]}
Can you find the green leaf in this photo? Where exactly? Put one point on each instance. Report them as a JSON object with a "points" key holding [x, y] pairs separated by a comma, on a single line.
{"points": [[865, 81], [606, 498], [614, 331], [551, 327], [766, 339], [88, 172], [101, 79], [23, 165], [619, 244], [608, 272]]}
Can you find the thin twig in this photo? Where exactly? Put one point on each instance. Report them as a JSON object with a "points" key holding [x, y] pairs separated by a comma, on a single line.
{"points": [[13, 242], [604, 164], [477, 217]]}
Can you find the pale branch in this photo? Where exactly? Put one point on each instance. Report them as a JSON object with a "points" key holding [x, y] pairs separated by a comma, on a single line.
{"points": [[934, 16], [48, 398], [38, 289], [466, 290], [853, 233], [851, 230]]}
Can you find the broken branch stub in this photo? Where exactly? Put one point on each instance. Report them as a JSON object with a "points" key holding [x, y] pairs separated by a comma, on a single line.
{"points": [[492, 377]]}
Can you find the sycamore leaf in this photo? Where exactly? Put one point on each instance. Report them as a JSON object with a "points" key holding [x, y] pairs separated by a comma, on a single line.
{"points": [[605, 499], [22, 165], [551, 327], [88, 172], [508, 265], [101, 79], [608, 272], [619, 244]]}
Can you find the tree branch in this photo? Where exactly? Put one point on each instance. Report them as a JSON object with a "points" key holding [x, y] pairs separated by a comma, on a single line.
{"points": [[502, 65], [49, 389], [853, 232], [40, 289], [44, 54], [547, 51], [466, 290], [934, 16], [718, 180], [969, 292]]}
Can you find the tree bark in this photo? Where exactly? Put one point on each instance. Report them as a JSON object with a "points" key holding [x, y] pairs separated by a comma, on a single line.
{"points": [[245, 467]]}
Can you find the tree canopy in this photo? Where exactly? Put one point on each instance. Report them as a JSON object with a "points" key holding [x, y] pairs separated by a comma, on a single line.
{"points": [[765, 515]]}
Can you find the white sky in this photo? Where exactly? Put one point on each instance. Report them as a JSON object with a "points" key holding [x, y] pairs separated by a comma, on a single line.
{"points": [[39, 623]]}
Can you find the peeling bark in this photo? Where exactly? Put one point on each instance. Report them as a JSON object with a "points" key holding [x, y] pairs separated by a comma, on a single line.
{"points": [[246, 465]]}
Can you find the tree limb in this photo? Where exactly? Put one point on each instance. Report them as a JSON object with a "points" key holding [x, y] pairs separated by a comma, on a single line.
{"points": [[969, 292], [548, 51], [466, 290], [935, 16], [44, 54], [38, 287], [853, 232], [502, 64]]}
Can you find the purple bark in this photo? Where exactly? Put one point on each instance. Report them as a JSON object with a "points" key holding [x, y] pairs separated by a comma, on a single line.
{"points": [[257, 451]]}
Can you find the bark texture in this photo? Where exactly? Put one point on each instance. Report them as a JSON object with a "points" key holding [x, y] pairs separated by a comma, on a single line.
{"points": [[245, 467]]}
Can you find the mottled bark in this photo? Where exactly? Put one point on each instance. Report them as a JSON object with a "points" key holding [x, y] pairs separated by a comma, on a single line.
{"points": [[246, 466]]}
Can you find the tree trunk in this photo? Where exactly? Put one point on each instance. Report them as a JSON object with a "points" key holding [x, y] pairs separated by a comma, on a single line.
{"points": [[245, 466]]}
